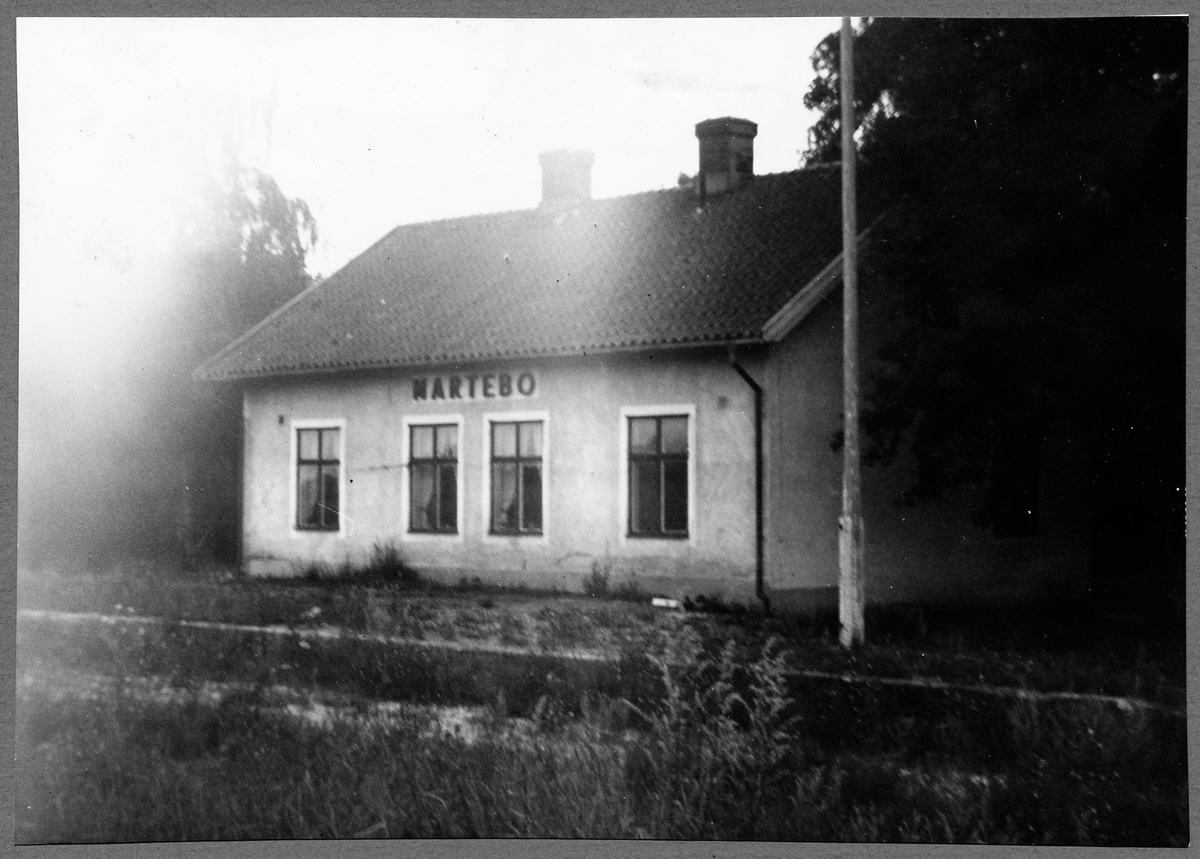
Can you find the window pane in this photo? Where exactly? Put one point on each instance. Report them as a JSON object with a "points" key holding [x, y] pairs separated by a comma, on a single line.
{"points": [[307, 509], [309, 443], [447, 442], [422, 443], [674, 435], [421, 507], [675, 494], [644, 503], [504, 439], [504, 496], [329, 501], [531, 439], [643, 435], [448, 518], [330, 443], [531, 489]]}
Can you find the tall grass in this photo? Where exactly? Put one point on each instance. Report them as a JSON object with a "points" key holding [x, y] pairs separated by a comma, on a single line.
{"points": [[714, 754], [714, 747], [697, 740], [124, 770]]}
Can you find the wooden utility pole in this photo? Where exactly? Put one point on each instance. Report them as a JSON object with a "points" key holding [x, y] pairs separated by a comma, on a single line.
{"points": [[850, 535]]}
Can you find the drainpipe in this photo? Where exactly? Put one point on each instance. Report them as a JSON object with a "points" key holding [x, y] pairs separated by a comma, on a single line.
{"points": [[760, 536]]}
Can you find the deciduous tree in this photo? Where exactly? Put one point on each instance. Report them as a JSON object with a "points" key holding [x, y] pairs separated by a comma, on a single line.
{"points": [[243, 248], [1030, 269]]}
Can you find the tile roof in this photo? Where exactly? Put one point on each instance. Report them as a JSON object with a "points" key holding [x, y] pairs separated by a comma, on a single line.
{"points": [[640, 271]]}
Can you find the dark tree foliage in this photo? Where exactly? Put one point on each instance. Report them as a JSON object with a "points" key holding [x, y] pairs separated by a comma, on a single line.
{"points": [[1030, 271], [126, 456], [244, 249]]}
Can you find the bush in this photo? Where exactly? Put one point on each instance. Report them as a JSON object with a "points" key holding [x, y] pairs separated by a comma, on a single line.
{"points": [[629, 591], [388, 565], [385, 565]]}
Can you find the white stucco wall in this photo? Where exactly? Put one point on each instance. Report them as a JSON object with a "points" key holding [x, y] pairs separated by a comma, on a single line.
{"points": [[928, 552], [583, 403]]}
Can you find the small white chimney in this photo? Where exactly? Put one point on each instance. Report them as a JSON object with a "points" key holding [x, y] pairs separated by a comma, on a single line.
{"points": [[566, 178], [726, 154]]}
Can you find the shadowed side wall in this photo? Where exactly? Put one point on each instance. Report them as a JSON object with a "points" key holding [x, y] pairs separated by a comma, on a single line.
{"points": [[928, 552], [803, 396]]}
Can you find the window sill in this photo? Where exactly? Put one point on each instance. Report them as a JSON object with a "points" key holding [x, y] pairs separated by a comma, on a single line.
{"points": [[664, 536]]}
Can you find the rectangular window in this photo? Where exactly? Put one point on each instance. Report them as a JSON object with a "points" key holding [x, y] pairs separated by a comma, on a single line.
{"points": [[516, 477], [317, 472], [433, 479], [658, 476]]}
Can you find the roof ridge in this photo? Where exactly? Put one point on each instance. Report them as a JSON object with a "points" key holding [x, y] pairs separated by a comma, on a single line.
{"points": [[478, 216], [486, 285], [439, 222], [807, 168]]}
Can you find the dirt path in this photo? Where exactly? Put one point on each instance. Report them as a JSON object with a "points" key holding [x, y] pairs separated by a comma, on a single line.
{"points": [[931, 684], [317, 633], [331, 633], [317, 707]]}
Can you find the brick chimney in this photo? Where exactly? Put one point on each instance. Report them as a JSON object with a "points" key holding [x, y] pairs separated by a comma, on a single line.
{"points": [[566, 178], [726, 154]]}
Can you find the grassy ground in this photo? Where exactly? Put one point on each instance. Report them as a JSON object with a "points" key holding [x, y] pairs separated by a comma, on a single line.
{"points": [[1037, 647], [467, 614], [693, 730]]}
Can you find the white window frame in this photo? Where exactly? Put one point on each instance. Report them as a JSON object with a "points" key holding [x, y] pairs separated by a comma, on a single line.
{"points": [[486, 495], [432, 419], [293, 477], [687, 410]]}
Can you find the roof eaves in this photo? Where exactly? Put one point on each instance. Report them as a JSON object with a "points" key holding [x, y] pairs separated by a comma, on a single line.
{"points": [[801, 304], [203, 373], [513, 355]]}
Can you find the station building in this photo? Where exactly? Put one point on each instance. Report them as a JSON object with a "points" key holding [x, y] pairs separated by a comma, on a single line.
{"points": [[648, 385]]}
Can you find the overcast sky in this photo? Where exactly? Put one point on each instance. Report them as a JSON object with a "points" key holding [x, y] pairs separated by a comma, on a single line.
{"points": [[373, 123]]}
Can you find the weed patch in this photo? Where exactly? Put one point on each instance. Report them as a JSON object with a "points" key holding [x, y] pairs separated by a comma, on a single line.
{"points": [[388, 566], [595, 584], [598, 585], [694, 729], [512, 631], [564, 628], [714, 747]]}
